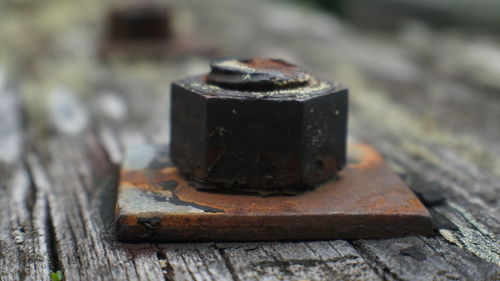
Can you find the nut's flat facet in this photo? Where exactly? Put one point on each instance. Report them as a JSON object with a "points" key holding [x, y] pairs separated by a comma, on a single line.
{"points": [[366, 200]]}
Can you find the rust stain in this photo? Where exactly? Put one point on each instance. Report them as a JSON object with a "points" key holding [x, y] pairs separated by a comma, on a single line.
{"points": [[365, 156]]}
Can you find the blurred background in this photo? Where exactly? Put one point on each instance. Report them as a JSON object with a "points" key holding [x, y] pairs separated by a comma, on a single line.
{"points": [[389, 14], [422, 74]]}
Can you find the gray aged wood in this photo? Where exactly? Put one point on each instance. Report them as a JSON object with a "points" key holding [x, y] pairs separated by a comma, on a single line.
{"points": [[427, 99]]}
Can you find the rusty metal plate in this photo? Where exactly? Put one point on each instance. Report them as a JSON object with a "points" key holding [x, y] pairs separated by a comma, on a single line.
{"points": [[367, 200]]}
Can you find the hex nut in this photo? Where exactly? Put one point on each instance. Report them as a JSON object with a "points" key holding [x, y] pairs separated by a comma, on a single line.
{"points": [[260, 125]]}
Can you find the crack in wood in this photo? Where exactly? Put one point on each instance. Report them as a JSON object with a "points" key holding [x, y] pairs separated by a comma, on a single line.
{"points": [[50, 242], [166, 268], [380, 268], [227, 262]]}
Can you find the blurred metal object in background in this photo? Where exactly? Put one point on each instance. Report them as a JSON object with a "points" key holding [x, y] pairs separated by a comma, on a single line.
{"points": [[146, 29], [140, 21]]}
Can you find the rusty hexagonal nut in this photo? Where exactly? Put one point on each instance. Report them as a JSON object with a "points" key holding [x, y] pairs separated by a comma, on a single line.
{"points": [[259, 125]]}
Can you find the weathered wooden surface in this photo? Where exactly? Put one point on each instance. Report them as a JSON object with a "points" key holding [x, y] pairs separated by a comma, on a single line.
{"points": [[428, 100]]}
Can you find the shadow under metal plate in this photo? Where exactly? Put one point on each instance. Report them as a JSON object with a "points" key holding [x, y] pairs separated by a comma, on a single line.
{"points": [[367, 200]]}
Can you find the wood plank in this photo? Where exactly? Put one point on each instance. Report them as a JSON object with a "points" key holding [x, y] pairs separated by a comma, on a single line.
{"points": [[79, 179], [24, 234], [409, 258], [195, 262], [335, 260], [410, 109], [82, 221]]}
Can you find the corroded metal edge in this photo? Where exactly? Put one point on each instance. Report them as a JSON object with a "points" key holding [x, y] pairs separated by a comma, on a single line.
{"points": [[367, 200]]}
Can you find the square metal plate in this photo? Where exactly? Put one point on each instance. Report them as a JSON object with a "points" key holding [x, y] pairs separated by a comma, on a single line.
{"points": [[366, 200]]}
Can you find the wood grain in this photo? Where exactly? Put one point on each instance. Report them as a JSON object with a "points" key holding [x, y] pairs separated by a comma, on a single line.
{"points": [[66, 122]]}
